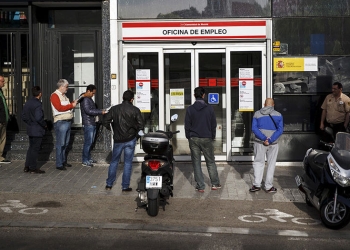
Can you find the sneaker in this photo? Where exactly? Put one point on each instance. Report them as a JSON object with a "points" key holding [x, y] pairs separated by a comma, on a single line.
{"points": [[37, 171], [200, 190], [108, 188], [92, 161], [254, 189], [67, 165], [272, 190], [215, 187], [26, 169], [87, 164], [4, 161], [127, 189]]}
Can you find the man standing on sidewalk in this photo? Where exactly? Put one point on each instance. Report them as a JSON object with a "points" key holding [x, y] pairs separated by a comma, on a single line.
{"points": [[62, 110], [267, 127], [88, 113], [4, 117], [33, 116], [200, 129], [126, 121], [335, 110]]}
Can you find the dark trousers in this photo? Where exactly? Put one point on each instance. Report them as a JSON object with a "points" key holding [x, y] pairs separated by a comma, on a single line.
{"points": [[33, 152]]}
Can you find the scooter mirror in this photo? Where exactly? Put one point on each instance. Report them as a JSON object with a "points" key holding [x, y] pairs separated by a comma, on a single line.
{"points": [[174, 117]]}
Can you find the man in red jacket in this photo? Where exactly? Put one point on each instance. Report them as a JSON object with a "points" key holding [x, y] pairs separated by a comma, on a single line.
{"points": [[62, 110]]}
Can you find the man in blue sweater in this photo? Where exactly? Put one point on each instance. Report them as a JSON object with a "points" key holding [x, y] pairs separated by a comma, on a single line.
{"points": [[267, 126], [200, 129]]}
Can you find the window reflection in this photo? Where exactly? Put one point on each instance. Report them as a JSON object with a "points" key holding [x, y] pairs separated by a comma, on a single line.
{"points": [[10, 18], [195, 9]]}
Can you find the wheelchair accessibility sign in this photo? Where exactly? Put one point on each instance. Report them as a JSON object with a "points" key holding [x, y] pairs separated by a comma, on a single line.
{"points": [[213, 98]]}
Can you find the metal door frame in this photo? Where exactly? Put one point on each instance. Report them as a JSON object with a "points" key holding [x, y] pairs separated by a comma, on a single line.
{"points": [[264, 78]]}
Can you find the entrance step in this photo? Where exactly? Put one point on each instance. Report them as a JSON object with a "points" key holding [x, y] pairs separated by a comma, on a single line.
{"points": [[17, 146]]}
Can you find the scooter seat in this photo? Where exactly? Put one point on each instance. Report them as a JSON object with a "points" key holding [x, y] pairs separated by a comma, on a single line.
{"points": [[316, 159]]}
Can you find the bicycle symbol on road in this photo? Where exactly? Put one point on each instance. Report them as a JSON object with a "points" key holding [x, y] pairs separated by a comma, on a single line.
{"points": [[278, 216], [24, 209]]}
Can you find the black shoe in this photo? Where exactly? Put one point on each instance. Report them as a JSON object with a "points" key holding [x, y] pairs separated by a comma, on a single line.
{"points": [[61, 168], [108, 188], [127, 189], [37, 171], [254, 189], [67, 165], [4, 161], [26, 169]]}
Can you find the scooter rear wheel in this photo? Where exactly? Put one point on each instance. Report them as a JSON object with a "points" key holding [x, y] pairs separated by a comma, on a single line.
{"points": [[335, 220], [153, 206]]}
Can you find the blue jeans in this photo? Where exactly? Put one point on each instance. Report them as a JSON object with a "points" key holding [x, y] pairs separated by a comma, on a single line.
{"points": [[89, 135], [205, 145], [62, 130], [129, 148]]}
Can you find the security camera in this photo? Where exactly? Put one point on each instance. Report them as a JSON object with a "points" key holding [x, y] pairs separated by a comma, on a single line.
{"points": [[194, 43]]}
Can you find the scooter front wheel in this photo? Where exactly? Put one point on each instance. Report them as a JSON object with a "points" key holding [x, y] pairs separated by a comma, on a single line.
{"points": [[153, 206], [335, 220]]}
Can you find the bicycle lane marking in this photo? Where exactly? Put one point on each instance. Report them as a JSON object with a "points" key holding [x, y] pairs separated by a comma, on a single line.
{"points": [[277, 215], [23, 209]]}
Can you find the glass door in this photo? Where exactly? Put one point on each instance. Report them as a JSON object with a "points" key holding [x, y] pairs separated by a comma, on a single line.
{"points": [[247, 94], [148, 91], [183, 71]]}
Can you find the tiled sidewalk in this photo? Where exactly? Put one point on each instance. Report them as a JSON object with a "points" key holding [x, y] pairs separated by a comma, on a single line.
{"points": [[235, 179]]}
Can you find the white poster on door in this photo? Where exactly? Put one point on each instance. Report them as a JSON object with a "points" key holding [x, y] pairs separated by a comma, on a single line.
{"points": [[246, 89], [177, 98], [143, 90]]}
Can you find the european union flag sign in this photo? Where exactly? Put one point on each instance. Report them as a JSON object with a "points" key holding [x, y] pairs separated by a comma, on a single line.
{"points": [[213, 98]]}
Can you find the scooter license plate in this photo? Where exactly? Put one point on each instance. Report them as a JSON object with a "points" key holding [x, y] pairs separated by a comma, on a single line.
{"points": [[153, 182]]}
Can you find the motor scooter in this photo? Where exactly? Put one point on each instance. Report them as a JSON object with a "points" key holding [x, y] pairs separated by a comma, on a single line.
{"points": [[157, 170], [326, 180]]}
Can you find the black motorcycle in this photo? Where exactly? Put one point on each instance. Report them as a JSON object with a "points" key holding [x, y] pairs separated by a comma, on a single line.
{"points": [[326, 181], [157, 170]]}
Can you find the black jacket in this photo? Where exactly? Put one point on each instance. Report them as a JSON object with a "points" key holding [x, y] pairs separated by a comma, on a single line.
{"points": [[33, 116], [89, 111], [200, 120], [126, 121]]}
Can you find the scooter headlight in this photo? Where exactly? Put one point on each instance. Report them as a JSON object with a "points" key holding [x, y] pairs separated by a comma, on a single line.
{"points": [[337, 175]]}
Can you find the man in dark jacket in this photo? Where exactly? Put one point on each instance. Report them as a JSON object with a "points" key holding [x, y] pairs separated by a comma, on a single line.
{"points": [[33, 116], [88, 113], [4, 117], [200, 129], [126, 122]]}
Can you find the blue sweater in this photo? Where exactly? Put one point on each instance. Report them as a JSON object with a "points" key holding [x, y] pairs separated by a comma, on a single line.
{"points": [[263, 126]]}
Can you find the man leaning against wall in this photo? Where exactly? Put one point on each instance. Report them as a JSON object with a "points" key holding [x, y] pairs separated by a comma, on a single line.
{"points": [[4, 117]]}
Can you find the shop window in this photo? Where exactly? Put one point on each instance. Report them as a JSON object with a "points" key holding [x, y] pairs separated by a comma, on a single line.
{"points": [[311, 8], [313, 36], [75, 18], [299, 95], [195, 9]]}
